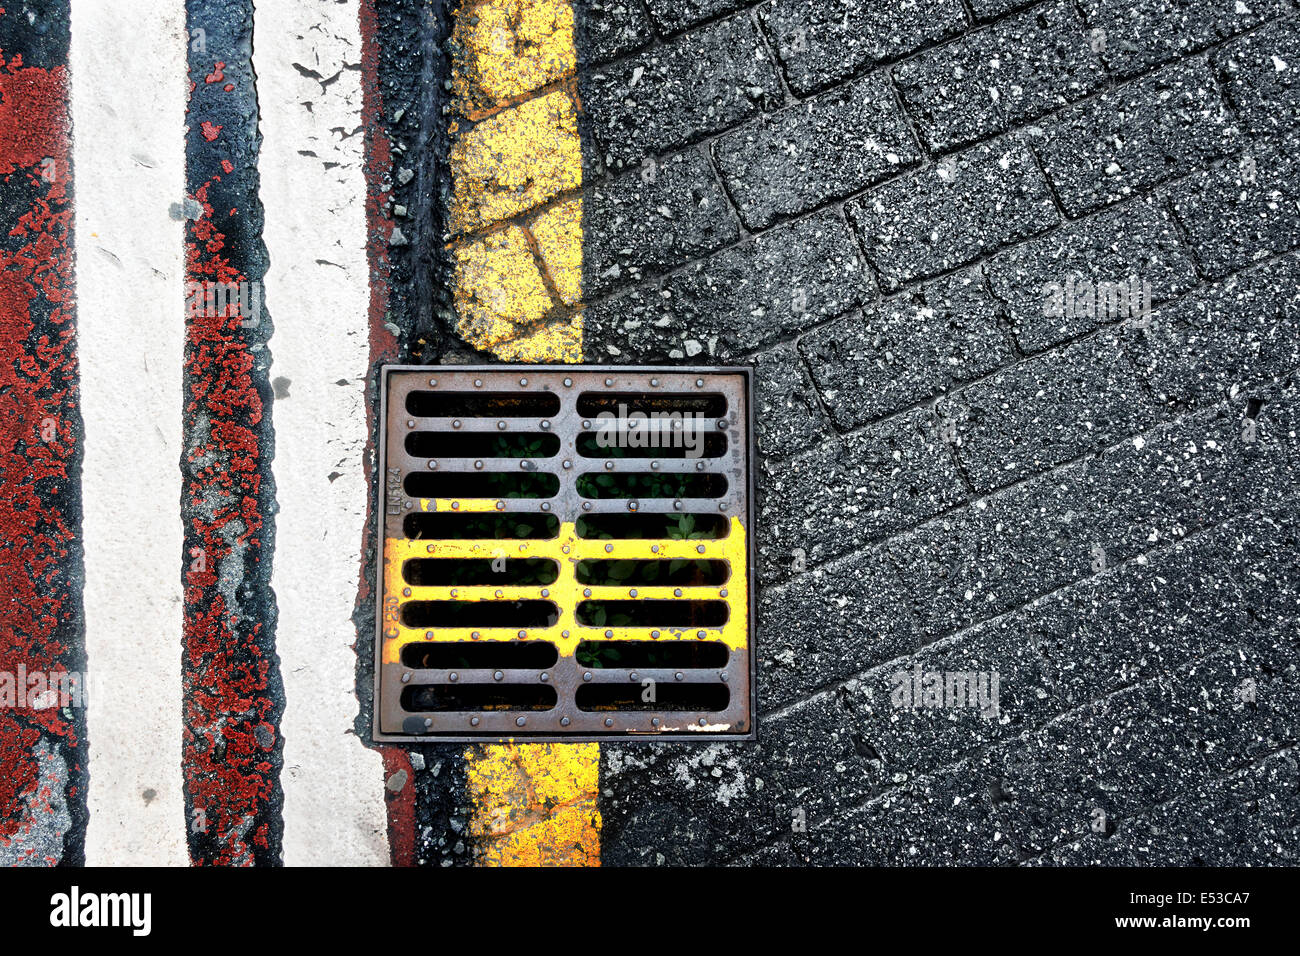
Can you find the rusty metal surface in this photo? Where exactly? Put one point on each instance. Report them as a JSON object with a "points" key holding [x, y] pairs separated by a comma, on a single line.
{"points": [[564, 721]]}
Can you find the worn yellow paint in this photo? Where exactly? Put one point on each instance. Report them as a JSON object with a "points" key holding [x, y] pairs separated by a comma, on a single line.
{"points": [[518, 291], [514, 161], [535, 804], [507, 48], [566, 550], [500, 290]]}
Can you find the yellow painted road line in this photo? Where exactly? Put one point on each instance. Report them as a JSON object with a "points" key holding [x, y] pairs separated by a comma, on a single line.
{"points": [[516, 163]]}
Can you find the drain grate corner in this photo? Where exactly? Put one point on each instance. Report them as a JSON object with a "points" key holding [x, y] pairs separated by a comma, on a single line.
{"points": [[567, 554]]}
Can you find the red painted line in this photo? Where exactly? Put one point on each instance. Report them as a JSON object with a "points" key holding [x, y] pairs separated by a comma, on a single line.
{"points": [[40, 603], [383, 348]]}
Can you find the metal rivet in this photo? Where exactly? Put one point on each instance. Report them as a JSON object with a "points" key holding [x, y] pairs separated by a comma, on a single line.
{"points": [[546, 506], [609, 633], [523, 633], [473, 721], [722, 506], [456, 423], [568, 383], [433, 464], [654, 382], [564, 721], [478, 464], [498, 592], [501, 426], [429, 634], [406, 592], [525, 464], [699, 466], [410, 423], [677, 592], [609, 721], [453, 594], [546, 592], [455, 506], [565, 549], [501, 506], [609, 547], [678, 675], [498, 675], [478, 383], [523, 381], [433, 382], [545, 676], [408, 504], [587, 676], [699, 383], [699, 548], [453, 677], [722, 423], [703, 722], [546, 425], [654, 549], [406, 677], [722, 593], [700, 634], [428, 722], [632, 676], [609, 465], [655, 721], [609, 381], [586, 592], [565, 633], [631, 592], [677, 506], [474, 635], [568, 464], [631, 506], [723, 675], [654, 466], [654, 633], [586, 423], [586, 506]]}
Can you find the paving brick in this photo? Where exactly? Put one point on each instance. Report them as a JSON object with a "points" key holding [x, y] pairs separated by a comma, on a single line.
{"points": [[848, 492], [1242, 209], [742, 298], [606, 29], [821, 42], [1138, 239], [717, 801], [922, 738], [1261, 555], [944, 820], [1138, 34], [829, 624], [945, 216], [907, 348], [1135, 136], [1260, 75], [668, 96], [673, 16], [823, 149], [1046, 410], [987, 81], [1246, 819], [787, 415], [636, 228], [1088, 518], [1242, 332], [1103, 763]]}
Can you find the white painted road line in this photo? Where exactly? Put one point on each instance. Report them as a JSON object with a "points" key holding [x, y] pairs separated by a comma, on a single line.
{"points": [[128, 114], [317, 297]]}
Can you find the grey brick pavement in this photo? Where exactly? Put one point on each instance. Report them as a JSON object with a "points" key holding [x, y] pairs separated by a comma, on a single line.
{"points": [[963, 467]]}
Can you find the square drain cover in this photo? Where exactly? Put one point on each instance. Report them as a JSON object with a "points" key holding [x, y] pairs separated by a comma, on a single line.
{"points": [[567, 554]]}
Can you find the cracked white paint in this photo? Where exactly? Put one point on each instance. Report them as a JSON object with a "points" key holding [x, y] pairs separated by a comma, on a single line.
{"points": [[129, 91], [317, 296]]}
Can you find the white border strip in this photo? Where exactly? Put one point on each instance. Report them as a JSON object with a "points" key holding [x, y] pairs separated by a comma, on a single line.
{"points": [[317, 297], [129, 90]]}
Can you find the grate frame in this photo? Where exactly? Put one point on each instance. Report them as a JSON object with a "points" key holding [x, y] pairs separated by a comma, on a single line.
{"points": [[392, 723]]}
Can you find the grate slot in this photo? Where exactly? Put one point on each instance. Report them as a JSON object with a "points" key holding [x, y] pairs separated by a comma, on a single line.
{"points": [[542, 559]]}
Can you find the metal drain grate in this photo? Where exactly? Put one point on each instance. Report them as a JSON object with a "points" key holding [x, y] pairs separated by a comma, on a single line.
{"points": [[566, 554]]}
